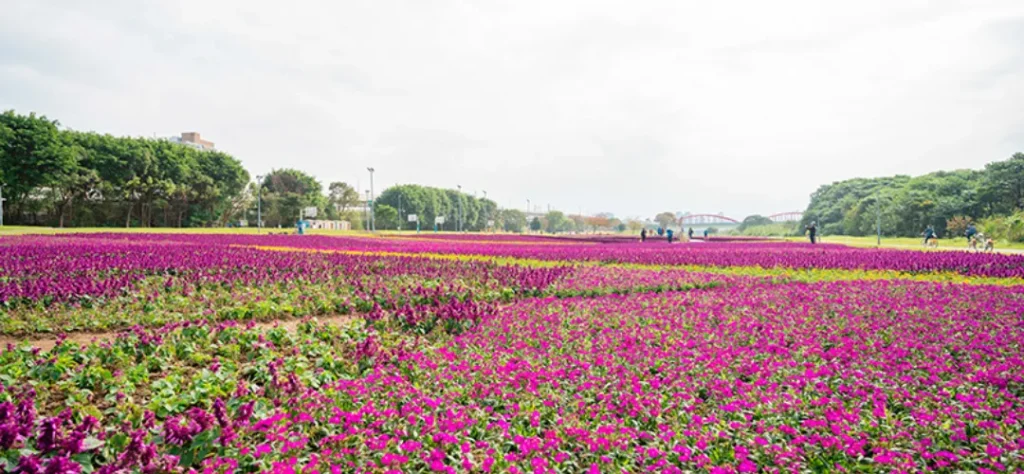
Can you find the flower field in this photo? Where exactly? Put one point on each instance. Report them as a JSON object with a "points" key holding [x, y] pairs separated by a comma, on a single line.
{"points": [[505, 354]]}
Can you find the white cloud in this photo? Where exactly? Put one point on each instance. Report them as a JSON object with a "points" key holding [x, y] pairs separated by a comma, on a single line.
{"points": [[632, 107]]}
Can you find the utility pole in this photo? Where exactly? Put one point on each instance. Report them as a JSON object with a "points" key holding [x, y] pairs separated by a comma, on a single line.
{"points": [[259, 204], [373, 213]]}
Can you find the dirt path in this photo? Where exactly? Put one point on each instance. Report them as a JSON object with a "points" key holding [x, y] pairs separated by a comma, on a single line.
{"points": [[47, 343]]}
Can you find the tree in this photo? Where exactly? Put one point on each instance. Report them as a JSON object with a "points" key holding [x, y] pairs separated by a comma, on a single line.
{"points": [[32, 155], [342, 196], [1004, 184], [665, 219], [957, 225], [634, 225], [753, 221], [598, 222], [535, 224], [513, 220], [286, 193], [556, 222], [386, 216], [909, 204]]}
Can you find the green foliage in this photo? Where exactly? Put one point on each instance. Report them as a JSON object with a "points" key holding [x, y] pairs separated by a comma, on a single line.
{"points": [[386, 216], [286, 192], [754, 220], [556, 222], [342, 198], [1004, 228], [32, 155], [512, 220], [906, 205], [774, 229], [428, 202], [535, 224], [63, 177]]}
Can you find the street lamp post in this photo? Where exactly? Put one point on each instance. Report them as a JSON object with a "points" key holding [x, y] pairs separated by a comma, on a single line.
{"points": [[527, 216], [373, 213], [259, 204], [366, 209]]}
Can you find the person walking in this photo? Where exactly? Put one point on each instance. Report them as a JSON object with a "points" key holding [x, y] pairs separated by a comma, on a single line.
{"points": [[705, 234], [668, 233], [812, 231], [643, 235], [691, 234]]}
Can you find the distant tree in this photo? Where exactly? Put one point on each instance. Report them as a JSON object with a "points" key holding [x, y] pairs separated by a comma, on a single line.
{"points": [[620, 227], [535, 224], [386, 216], [665, 219], [596, 223], [513, 220], [286, 193], [634, 225], [957, 225], [342, 197], [579, 223], [1004, 184], [753, 221], [556, 222]]}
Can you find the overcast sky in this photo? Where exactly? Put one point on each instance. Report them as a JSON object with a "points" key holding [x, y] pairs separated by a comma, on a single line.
{"points": [[632, 107]]}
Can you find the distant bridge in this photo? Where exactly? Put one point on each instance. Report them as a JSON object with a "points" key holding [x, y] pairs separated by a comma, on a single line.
{"points": [[723, 220], [787, 216], [704, 219]]}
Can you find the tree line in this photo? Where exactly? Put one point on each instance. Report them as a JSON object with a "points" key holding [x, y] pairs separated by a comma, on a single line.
{"points": [[67, 178], [992, 197]]}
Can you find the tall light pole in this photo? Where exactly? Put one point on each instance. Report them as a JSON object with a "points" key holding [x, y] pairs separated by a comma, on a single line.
{"points": [[373, 213], [366, 210], [460, 206], [259, 204]]}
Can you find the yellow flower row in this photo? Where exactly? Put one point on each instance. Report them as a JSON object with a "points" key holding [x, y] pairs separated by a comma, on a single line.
{"points": [[782, 273]]}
